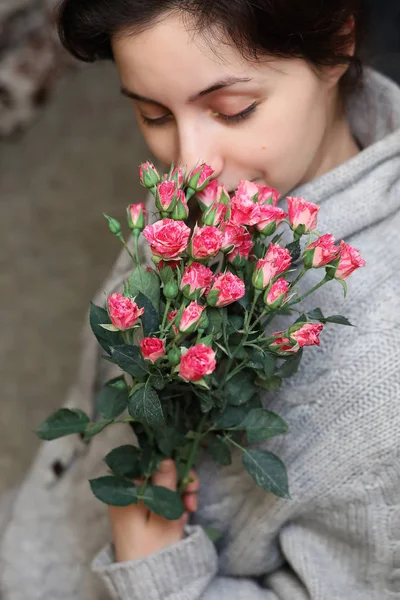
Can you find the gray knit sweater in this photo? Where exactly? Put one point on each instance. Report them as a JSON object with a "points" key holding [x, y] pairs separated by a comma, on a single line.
{"points": [[338, 538]]}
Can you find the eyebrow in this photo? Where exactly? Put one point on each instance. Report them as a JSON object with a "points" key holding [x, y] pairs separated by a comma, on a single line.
{"points": [[218, 85]]}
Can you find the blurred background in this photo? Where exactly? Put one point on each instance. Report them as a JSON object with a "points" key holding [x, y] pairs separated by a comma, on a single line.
{"points": [[69, 151]]}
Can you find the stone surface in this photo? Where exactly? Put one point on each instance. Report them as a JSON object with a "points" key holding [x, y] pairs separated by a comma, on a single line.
{"points": [[79, 160]]}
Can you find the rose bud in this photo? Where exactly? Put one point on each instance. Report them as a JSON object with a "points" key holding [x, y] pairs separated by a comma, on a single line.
{"points": [[277, 294], [350, 260], [167, 238], [171, 290], [181, 210], [240, 253], [232, 236], [166, 196], [215, 214], [268, 196], [321, 252], [283, 345], [306, 334], [123, 311], [190, 318], [208, 196], [149, 176], [206, 242], [276, 262], [270, 219], [171, 316], [152, 348], [199, 177], [244, 206], [226, 289], [113, 225], [174, 356], [302, 215], [177, 176], [137, 216], [195, 280], [197, 362]]}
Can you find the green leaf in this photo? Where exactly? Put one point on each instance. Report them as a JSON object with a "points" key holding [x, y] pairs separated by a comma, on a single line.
{"points": [[316, 315], [164, 502], [150, 320], [109, 327], [263, 424], [235, 323], [99, 316], [156, 381], [146, 282], [130, 359], [295, 250], [206, 402], [114, 491], [166, 274], [145, 406], [339, 320], [291, 365], [273, 384], [220, 451], [63, 422], [96, 428], [112, 400], [124, 461], [256, 358], [267, 470], [215, 319], [344, 286], [213, 534], [240, 388], [168, 439], [269, 365], [231, 417]]}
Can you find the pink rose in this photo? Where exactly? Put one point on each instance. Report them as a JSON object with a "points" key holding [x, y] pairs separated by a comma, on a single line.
{"points": [[123, 312], [177, 176], [195, 280], [137, 216], [270, 217], [171, 316], [226, 289], [215, 214], [276, 296], [209, 195], [276, 262], [206, 242], [321, 252], [199, 177], [181, 210], [190, 318], [282, 345], [232, 236], [166, 196], [152, 348], [268, 195], [167, 238], [244, 206], [149, 176], [197, 362], [243, 247], [307, 334], [350, 260], [302, 214]]}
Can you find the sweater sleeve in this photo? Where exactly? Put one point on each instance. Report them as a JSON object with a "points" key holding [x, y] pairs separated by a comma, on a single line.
{"points": [[184, 571]]}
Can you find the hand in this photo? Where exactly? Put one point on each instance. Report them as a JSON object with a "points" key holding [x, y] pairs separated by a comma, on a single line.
{"points": [[138, 532]]}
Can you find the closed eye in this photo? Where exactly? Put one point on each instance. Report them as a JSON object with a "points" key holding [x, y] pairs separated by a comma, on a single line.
{"points": [[230, 119]]}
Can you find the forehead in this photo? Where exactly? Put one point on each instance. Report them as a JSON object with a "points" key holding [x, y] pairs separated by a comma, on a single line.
{"points": [[168, 56]]}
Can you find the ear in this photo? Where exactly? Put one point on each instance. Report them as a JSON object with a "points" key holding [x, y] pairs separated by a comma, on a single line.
{"points": [[347, 45]]}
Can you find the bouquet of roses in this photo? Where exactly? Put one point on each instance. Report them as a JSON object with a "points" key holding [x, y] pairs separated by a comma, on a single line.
{"points": [[192, 333]]}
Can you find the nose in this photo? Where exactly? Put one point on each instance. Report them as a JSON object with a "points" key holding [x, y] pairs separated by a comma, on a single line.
{"points": [[197, 148]]}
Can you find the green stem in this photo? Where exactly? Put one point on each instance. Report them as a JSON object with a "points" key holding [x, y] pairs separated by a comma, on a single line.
{"points": [[300, 275], [136, 234], [126, 248], [316, 287], [167, 307], [236, 370], [192, 455]]}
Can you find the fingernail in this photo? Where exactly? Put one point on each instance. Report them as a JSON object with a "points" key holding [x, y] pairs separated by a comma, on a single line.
{"points": [[165, 466]]}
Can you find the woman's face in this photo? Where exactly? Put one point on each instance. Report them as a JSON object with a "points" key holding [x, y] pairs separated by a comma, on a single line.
{"points": [[269, 122]]}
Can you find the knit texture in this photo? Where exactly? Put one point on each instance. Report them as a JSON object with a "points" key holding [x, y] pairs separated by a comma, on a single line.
{"points": [[338, 538]]}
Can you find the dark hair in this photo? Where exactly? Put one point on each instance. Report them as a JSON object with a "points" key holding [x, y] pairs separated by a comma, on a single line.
{"points": [[315, 30]]}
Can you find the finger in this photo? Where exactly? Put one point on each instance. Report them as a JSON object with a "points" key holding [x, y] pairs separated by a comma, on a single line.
{"points": [[191, 492], [166, 476]]}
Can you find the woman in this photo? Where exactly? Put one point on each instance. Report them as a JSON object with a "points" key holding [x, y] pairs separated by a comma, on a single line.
{"points": [[270, 92]]}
